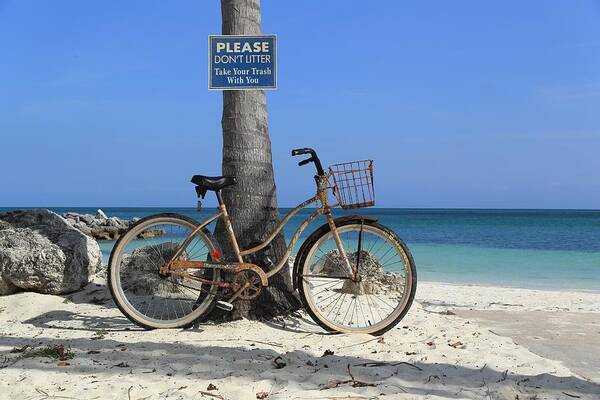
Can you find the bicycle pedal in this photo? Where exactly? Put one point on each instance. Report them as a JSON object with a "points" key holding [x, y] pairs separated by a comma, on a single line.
{"points": [[223, 305]]}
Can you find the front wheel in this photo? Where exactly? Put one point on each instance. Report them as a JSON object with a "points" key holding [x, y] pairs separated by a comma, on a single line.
{"points": [[374, 302]]}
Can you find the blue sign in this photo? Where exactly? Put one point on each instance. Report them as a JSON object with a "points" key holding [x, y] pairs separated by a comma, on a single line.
{"points": [[242, 62]]}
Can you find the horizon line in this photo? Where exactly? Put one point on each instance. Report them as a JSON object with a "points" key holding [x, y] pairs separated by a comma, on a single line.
{"points": [[335, 208]]}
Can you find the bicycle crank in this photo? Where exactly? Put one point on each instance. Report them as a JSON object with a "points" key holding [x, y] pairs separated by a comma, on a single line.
{"points": [[247, 284]]}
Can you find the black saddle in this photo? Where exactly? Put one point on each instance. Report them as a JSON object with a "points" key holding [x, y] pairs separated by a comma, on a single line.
{"points": [[214, 183]]}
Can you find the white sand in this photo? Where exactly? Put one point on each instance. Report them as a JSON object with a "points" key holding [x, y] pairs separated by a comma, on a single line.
{"points": [[112, 359]]}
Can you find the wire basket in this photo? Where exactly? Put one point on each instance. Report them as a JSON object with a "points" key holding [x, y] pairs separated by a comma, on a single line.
{"points": [[353, 183]]}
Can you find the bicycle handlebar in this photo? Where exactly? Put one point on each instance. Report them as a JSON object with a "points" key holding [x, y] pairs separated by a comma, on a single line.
{"points": [[303, 150], [313, 158]]}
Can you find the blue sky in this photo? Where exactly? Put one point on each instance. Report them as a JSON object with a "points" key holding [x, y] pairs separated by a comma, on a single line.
{"points": [[461, 104]]}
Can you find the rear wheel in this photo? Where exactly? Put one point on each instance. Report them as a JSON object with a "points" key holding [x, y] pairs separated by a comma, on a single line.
{"points": [[148, 298], [384, 291]]}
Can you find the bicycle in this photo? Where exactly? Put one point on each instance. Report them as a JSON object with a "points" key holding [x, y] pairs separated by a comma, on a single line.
{"points": [[352, 274]]}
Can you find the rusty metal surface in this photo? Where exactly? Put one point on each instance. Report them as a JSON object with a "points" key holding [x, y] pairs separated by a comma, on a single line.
{"points": [[293, 241], [176, 267], [279, 227], [353, 183]]}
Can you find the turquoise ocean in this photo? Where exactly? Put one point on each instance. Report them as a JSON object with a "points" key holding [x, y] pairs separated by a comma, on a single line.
{"points": [[547, 249]]}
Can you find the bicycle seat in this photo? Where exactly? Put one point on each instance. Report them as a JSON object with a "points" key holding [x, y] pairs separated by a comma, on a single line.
{"points": [[213, 182]]}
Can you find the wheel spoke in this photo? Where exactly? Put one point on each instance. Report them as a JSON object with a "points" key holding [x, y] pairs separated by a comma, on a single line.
{"points": [[146, 296]]}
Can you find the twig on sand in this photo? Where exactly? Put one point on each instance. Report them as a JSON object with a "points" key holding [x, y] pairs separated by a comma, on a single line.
{"points": [[487, 388], [505, 304], [52, 396], [503, 378], [20, 349], [217, 396], [264, 395], [243, 340], [337, 398], [353, 382], [356, 344], [7, 362], [129, 392], [381, 364], [571, 395]]}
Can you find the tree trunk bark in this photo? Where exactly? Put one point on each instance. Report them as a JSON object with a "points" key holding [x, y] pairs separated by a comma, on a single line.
{"points": [[252, 203]]}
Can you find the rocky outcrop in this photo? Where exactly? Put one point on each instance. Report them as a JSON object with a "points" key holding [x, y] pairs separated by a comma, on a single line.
{"points": [[101, 227], [138, 270], [41, 252], [374, 279]]}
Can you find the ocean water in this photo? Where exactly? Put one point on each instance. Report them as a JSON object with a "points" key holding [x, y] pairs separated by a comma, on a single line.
{"points": [[550, 249]]}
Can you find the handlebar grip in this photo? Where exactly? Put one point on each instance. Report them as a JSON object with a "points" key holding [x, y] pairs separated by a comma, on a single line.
{"points": [[304, 162], [299, 152], [313, 158]]}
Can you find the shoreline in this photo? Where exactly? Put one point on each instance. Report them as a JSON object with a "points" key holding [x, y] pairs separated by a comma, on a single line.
{"points": [[480, 297], [505, 286]]}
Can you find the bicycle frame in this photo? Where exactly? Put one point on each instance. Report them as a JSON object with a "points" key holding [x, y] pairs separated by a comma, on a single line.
{"points": [[324, 209]]}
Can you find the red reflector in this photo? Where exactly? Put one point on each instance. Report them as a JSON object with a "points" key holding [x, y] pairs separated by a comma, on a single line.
{"points": [[216, 254]]}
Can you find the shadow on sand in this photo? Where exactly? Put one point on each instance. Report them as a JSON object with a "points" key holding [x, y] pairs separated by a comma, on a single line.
{"points": [[198, 359]]}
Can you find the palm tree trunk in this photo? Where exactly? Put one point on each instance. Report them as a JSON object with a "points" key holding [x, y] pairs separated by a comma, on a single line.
{"points": [[252, 203]]}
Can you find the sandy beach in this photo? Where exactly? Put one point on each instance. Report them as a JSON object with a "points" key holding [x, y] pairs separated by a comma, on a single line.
{"points": [[471, 342]]}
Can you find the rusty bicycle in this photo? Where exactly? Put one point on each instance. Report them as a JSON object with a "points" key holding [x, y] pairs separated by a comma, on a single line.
{"points": [[352, 273]]}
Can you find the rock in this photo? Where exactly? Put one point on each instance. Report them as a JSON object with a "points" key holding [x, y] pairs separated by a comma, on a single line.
{"points": [[79, 221], [87, 219], [83, 228], [4, 225], [374, 280], [72, 215], [42, 253], [96, 226], [31, 261], [100, 214], [96, 223], [79, 225], [150, 233], [109, 228], [140, 270], [71, 222], [114, 221], [6, 287], [106, 232]]}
